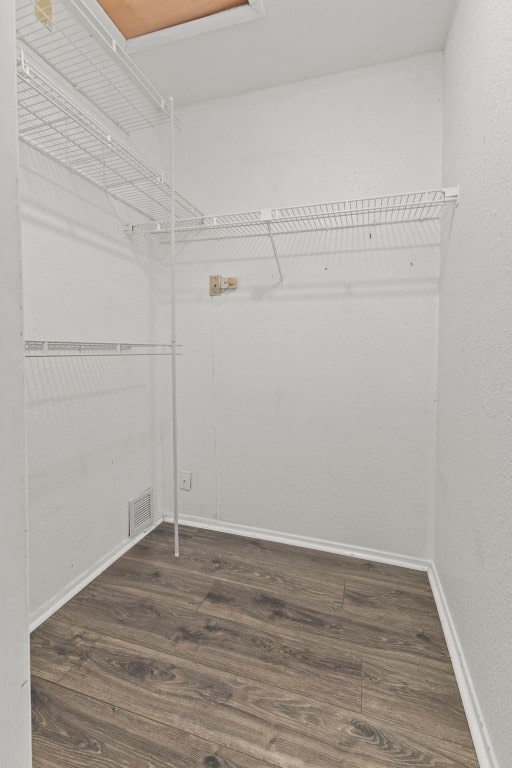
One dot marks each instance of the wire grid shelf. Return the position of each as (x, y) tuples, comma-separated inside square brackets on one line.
[(183, 208), (367, 212), (75, 43), (94, 349), (52, 123)]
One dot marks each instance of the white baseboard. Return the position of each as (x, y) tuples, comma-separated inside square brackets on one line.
[(73, 588), (483, 746), (322, 545)]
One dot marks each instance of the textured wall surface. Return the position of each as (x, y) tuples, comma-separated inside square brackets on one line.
[(14, 671), (97, 427), (366, 132), (310, 408), (473, 529)]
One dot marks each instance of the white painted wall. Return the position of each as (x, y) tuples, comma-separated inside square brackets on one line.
[(473, 529), (367, 132), (97, 428), (310, 409), (14, 668)]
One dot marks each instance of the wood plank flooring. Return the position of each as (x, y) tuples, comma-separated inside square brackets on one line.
[(246, 654)]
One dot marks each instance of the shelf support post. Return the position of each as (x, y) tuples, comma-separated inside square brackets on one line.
[(173, 335)]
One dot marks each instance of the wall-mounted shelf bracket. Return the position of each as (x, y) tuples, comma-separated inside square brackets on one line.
[(451, 195), (274, 249)]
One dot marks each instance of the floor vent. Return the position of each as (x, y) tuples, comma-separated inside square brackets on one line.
[(141, 512)]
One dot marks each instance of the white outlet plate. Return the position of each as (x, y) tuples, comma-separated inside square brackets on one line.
[(185, 480)]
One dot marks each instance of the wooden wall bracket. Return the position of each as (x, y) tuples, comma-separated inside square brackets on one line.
[(219, 284)]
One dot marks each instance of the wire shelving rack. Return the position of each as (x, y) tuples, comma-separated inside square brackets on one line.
[(407, 208), (51, 122), (95, 349), (77, 46), (74, 68), (367, 212)]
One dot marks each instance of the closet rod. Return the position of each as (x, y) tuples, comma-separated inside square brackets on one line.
[(302, 231), (96, 349)]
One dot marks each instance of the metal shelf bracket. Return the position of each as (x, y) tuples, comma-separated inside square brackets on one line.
[(267, 216)]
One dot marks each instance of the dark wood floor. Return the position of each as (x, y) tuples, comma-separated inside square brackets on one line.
[(246, 654)]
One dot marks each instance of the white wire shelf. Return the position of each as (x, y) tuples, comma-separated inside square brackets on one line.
[(368, 212), (95, 349), (77, 45), (51, 122)]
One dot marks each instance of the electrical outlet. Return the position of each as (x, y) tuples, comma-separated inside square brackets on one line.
[(185, 480)]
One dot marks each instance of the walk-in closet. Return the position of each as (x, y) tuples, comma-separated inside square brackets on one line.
[(255, 415)]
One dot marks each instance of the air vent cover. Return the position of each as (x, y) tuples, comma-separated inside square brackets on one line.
[(141, 512)]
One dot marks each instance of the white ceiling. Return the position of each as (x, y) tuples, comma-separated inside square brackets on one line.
[(298, 39)]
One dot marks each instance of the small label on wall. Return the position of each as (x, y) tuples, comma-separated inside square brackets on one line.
[(44, 12)]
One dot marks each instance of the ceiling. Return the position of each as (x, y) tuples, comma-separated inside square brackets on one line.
[(140, 17), (296, 40)]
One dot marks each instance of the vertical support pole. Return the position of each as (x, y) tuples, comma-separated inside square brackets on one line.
[(173, 340)]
